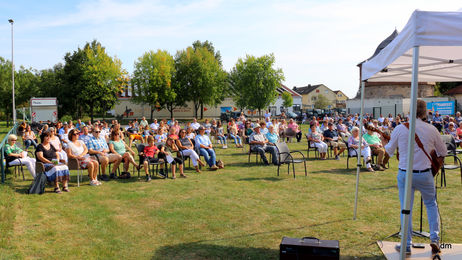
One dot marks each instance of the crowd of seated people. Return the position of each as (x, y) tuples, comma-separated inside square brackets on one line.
[(96, 145)]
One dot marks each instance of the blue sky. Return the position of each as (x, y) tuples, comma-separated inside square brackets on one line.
[(313, 41)]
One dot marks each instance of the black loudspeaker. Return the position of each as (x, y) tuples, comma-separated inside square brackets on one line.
[(309, 248)]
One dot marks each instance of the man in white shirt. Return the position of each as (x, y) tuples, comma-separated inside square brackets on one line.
[(381, 118), (259, 143), (144, 122), (154, 126), (195, 125), (422, 179)]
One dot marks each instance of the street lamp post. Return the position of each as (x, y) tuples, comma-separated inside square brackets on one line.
[(12, 69)]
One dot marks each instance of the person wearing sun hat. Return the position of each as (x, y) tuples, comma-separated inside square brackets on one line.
[(259, 143)]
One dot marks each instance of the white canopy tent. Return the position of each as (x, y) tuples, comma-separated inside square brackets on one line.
[(429, 48)]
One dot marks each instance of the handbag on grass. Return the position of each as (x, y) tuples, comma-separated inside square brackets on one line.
[(220, 164)]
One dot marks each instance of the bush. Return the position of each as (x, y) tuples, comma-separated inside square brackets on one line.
[(66, 118)]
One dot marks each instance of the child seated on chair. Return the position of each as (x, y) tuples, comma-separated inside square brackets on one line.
[(150, 151)]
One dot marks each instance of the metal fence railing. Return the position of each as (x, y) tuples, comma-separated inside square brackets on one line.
[(2, 150)]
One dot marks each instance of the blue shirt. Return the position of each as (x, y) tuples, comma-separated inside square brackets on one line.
[(202, 140), (85, 138), (437, 119), (97, 144), (272, 137)]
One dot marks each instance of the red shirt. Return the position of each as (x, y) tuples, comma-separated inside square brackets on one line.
[(150, 151), (459, 132)]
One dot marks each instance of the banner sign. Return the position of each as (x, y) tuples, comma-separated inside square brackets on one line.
[(443, 107), (225, 110), (36, 102)]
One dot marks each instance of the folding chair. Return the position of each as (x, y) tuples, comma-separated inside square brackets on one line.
[(285, 157), (140, 149)]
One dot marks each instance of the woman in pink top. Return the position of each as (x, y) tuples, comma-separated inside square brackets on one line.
[(459, 130), (294, 126)]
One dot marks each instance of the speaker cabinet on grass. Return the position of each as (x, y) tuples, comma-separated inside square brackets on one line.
[(309, 248)]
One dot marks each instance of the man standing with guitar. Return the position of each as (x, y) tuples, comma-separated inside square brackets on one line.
[(427, 139)]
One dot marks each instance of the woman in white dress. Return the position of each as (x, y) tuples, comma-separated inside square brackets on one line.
[(78, 150), (316, 139), (353, 142), (54, 140)]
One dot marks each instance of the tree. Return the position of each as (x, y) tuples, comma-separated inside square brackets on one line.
[(93, 79), (152, 81), (209, 46), (322, 102), (24, 88), (288, 100), (200, 76), (254, 82), (443, 87)]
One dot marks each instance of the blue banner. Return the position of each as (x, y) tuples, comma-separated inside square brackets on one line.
[(443, 107), (225, 109)]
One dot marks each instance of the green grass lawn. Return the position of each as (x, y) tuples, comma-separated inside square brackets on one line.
[(240, 212)]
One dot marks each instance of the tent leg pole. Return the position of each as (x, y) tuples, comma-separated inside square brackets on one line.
[(358, 164), (410, 153)]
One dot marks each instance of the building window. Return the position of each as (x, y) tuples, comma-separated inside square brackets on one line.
[(273, 110), (326, 91), (339, 95), (317, 90), (314, 98)]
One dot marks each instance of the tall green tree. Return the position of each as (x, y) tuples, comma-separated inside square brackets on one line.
[(24, 88), (49, 83), (152, 81), (287, 99), (254, 82), (209, 46), (201, 76), (322, 102), (443, 87), (93, 79)]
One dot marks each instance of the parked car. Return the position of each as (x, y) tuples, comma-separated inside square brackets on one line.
[(228, 115)]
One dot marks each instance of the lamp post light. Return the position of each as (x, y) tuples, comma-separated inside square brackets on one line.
[(12, 69)]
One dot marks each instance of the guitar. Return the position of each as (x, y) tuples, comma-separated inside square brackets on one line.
[(374, 129), (436, 161)]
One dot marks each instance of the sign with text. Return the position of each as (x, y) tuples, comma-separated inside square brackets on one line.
[(40, 102), (443, 107)]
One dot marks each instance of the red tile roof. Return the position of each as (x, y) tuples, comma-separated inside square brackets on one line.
[(453, 91)]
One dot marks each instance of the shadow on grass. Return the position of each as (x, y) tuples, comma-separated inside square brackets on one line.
[(22, 186), (203, 249), (246, 164), (335, 171), (384, 188), (261, 179), (199, 250)]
